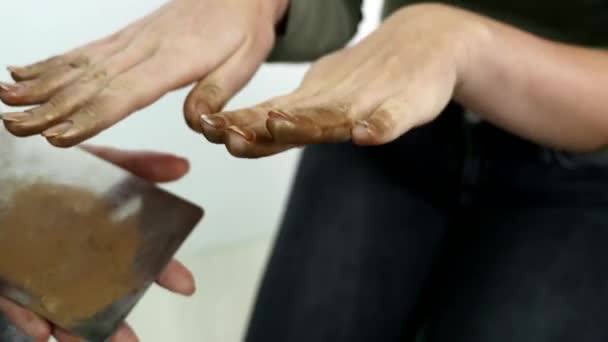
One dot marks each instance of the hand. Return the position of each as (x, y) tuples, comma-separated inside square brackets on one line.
[(399, 77), (154, 167), (84, 91)]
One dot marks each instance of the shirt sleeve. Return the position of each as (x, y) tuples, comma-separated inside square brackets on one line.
[(314, 28)]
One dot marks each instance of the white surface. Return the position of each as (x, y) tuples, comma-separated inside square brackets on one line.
[(227, 279), (242, 198)]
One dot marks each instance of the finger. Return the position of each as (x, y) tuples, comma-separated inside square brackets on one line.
[(26, 321), (63, 336), (63, 104), (124, 334), (239, 144), (312, 125), (252, 119), (177, 278), (211, 94), (33, 70), (70, 66), (35, 120), (243, 132), (152, 166), (252, 141), (214, 126), (327, 119), (40, 89), (334, 93), (84, 56), (95, 51), (127, 93)]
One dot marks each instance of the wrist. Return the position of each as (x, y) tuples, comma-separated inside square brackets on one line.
[(461, 39), (476, 52)]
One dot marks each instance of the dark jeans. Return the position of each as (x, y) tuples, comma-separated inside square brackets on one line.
[(471, 232)]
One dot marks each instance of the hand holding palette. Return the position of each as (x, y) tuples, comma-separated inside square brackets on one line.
[(80, 239)]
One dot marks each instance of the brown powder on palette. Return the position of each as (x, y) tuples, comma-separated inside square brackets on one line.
[(63, 246)]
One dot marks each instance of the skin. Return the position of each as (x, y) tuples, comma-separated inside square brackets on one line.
[(403, 75), (154, 167), (84, 91), (400, 77)]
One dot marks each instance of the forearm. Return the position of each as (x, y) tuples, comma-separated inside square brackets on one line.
[(550, 93)]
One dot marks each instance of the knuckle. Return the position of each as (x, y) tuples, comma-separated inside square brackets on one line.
[(213, 95), (80, 61), (120, 85), (53, 106), (88, 116), (210, 89), (96, 75), (344, 108)]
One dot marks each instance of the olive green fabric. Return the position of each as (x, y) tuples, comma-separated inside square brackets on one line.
[(317, 27)]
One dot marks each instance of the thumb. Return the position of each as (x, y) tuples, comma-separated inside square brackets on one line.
[(26, 321), (210, 95)]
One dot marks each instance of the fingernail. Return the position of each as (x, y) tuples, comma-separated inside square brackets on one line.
[(57, 130), (245, 133), (11, 87), (15, 117), (214, 121), (276, 114)]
